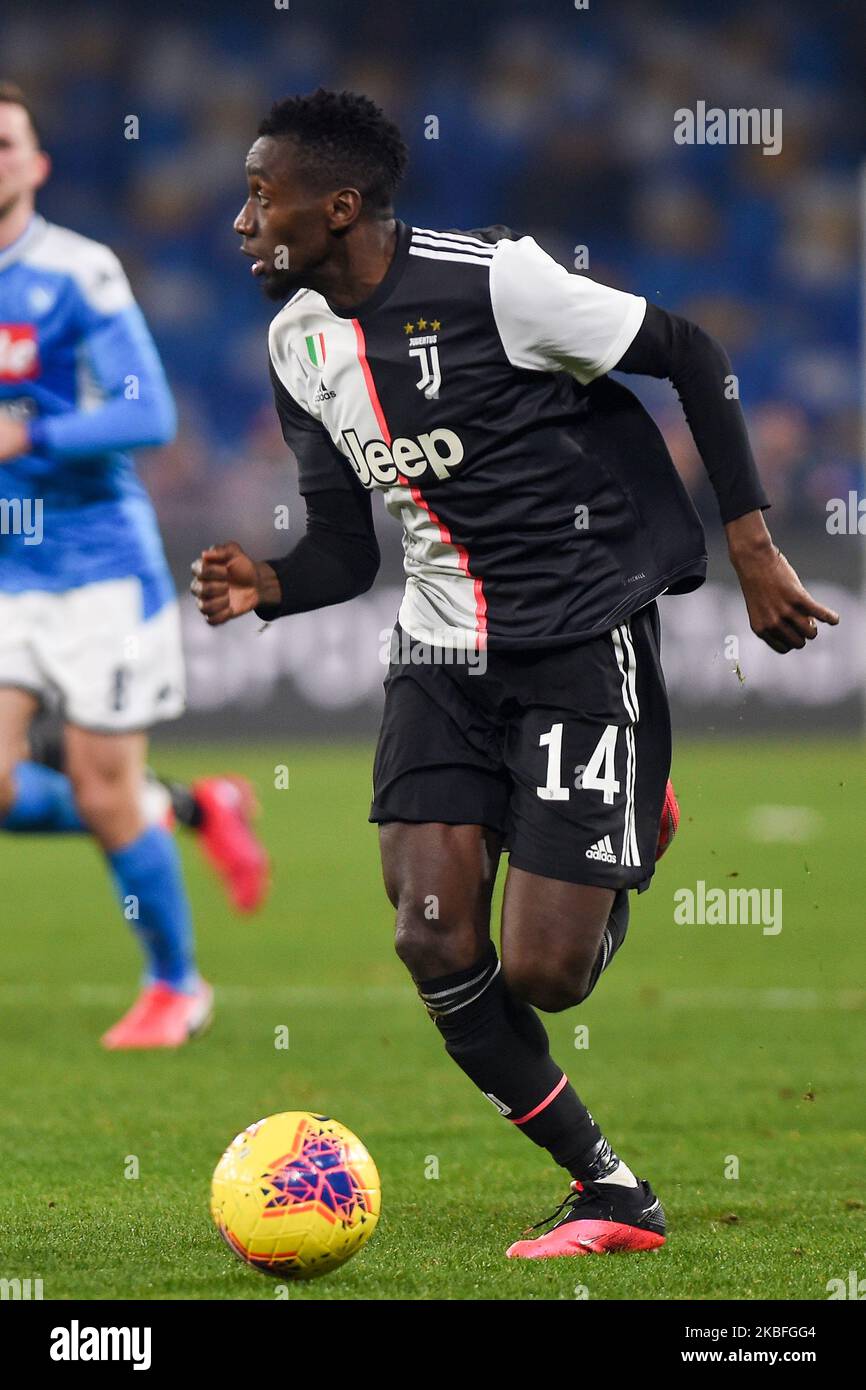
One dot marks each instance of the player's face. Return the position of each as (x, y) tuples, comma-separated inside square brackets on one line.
[(23, 166), (285, 227)]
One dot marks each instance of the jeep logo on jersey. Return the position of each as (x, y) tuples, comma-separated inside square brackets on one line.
[(440, 451), (19, 353)]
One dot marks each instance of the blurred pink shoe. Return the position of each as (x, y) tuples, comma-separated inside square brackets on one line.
[(227, 806), (162, 1017)]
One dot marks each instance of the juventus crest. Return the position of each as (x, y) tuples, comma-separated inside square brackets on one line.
[(425, 347)]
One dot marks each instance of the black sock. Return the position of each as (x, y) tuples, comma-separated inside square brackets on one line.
[(501, 1045), (614, 936), (183, 803)]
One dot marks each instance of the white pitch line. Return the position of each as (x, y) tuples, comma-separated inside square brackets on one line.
[(231, 995), (753, 998), (374, 996)]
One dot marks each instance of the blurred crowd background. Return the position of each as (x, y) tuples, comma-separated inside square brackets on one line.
[(556, 121)]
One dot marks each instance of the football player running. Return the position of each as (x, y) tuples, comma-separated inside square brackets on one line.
[(465, 376), (88, 614)]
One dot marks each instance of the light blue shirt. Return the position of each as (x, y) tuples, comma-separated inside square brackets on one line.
[(77, 362)]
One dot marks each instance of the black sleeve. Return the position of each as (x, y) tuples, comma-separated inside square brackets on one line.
[(669, 346), (320, 463), (337, 559)]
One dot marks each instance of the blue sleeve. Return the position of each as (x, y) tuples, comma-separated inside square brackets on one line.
[(138, 409)]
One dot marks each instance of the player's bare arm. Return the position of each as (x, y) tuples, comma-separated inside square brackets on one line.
[(781, 611)]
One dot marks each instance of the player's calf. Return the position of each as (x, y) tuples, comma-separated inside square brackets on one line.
[(495, 1038), (551, 985), (611, 939), (558, 937)]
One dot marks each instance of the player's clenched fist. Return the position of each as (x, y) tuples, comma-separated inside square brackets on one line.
[(227, 583)]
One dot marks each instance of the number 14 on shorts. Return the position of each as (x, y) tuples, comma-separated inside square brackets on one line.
[(599, 775)]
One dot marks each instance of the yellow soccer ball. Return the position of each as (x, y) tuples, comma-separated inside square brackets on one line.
[(296, 1195)]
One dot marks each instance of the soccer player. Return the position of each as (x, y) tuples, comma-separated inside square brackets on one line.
[(88, 614), (465, 376), (218, 810)]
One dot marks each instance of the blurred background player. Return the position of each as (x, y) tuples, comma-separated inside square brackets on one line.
[(88, 613), (219, 810)]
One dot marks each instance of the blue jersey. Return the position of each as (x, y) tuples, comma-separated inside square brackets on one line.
[(78, 364)]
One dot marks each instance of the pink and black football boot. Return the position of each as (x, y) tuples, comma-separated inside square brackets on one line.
[(599, 1219)]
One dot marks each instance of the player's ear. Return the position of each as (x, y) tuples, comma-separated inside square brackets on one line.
[(43, 169), (344, 209)]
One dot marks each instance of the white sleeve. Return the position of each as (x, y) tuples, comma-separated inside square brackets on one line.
[(550, 320), (102, 279)]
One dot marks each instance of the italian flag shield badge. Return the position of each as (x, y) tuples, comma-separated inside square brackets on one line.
[(316, 349)]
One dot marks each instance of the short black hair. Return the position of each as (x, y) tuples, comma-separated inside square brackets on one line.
[(343, 140), (12, 95)]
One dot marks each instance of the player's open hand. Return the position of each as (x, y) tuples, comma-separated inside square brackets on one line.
[(781, 611), (226, 583)]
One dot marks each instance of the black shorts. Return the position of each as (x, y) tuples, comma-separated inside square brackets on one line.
[(566, 753)]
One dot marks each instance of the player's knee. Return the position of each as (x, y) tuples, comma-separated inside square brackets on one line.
[(99, 798), (430, 943), (551, 985), (93, 804)]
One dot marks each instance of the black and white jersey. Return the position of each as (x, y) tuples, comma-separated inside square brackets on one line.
[(538, 500)]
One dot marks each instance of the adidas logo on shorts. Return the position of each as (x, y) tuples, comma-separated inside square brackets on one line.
[(603, 850)]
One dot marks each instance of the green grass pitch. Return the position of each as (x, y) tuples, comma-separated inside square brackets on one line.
[(707, 1045)]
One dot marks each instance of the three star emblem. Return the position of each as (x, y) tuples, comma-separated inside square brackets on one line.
[(421, 326)]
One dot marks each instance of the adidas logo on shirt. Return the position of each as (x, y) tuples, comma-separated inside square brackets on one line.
[(603, 850)]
